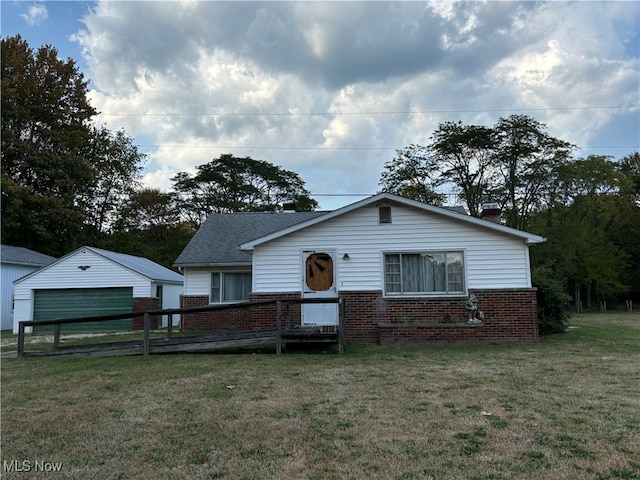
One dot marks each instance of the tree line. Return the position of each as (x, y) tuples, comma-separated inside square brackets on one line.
[(587, 208), (67, 182)]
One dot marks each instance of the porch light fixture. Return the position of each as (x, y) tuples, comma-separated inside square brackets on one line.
[(345, 256)]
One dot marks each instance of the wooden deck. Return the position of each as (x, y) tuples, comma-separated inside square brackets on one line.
[(205, 343)]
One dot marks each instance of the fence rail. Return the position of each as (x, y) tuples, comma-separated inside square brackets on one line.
[(282, 330)]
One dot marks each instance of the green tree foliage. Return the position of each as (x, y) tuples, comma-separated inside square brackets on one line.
[(149, 225), (525, 156), (630, 166), (63, 179), (592, 230), (412, 174), (463, 155), (234, 184), (117, 164), (46, 131), (508, 163)]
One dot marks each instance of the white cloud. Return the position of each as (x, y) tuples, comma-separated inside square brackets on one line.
[(202, 79), (35, 14)]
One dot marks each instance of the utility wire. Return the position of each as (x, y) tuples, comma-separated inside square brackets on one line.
[(239, 147), (408, 112)]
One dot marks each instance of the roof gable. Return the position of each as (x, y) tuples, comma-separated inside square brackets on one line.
[(24, 256), (139, 265), (455, 215)]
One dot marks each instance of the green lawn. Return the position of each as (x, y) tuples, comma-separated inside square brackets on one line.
[(567, 407)]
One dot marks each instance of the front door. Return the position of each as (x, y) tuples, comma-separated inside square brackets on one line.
[(319, 281)]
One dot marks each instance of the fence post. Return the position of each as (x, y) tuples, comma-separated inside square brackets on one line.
[(56, 335), (279, 327), (147, 328), (170, 326), (341, 324), (20, 339)]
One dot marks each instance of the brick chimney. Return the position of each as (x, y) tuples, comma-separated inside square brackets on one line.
[(289, 207), (491, 211)]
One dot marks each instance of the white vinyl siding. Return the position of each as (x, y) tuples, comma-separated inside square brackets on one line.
[(102, 272), (492, 259)]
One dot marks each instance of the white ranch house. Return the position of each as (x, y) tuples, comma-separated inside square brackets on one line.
[(405, 269)]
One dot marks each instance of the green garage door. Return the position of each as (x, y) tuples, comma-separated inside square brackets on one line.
[(83, 302)]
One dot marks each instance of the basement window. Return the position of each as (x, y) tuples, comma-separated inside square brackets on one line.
[(384, 214), (230, 287)]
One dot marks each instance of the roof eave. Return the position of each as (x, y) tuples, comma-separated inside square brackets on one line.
[(212, 264)]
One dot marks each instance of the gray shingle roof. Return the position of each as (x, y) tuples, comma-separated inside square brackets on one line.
[(141, 265), (219, 238), (24, 256)]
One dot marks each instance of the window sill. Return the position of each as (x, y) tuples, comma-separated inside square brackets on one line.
[(423, 296), (228, 302)]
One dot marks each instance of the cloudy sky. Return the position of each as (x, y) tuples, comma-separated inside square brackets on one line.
[(330, 90)]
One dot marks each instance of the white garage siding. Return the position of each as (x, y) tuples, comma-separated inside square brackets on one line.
[(68, 275), (492, 259)]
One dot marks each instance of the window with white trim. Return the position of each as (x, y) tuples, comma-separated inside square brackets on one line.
[(230, 287), (437, 273)]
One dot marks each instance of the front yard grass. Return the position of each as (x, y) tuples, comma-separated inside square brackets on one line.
[(564, 408)]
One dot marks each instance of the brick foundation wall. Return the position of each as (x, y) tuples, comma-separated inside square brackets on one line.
[(510, 315), (252, 318), (141, 304)]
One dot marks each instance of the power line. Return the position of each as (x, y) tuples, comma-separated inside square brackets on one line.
[(239, 147), (402, 112)]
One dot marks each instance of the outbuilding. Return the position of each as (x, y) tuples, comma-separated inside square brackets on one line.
[(94, 282), (16, 262)]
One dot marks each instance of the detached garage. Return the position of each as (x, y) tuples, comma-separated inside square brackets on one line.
[(94, 282)]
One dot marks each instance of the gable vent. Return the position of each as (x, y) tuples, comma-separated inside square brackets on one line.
[(384, 214)]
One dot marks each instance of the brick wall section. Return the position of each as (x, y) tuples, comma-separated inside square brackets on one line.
[(141, 304), (252, 318), (510, 315)]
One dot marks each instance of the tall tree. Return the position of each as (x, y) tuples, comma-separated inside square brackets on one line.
[(412, 174), (46, 130), (464, 155), (630, 166), (234, 184), (117, 164), (527, 156)]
